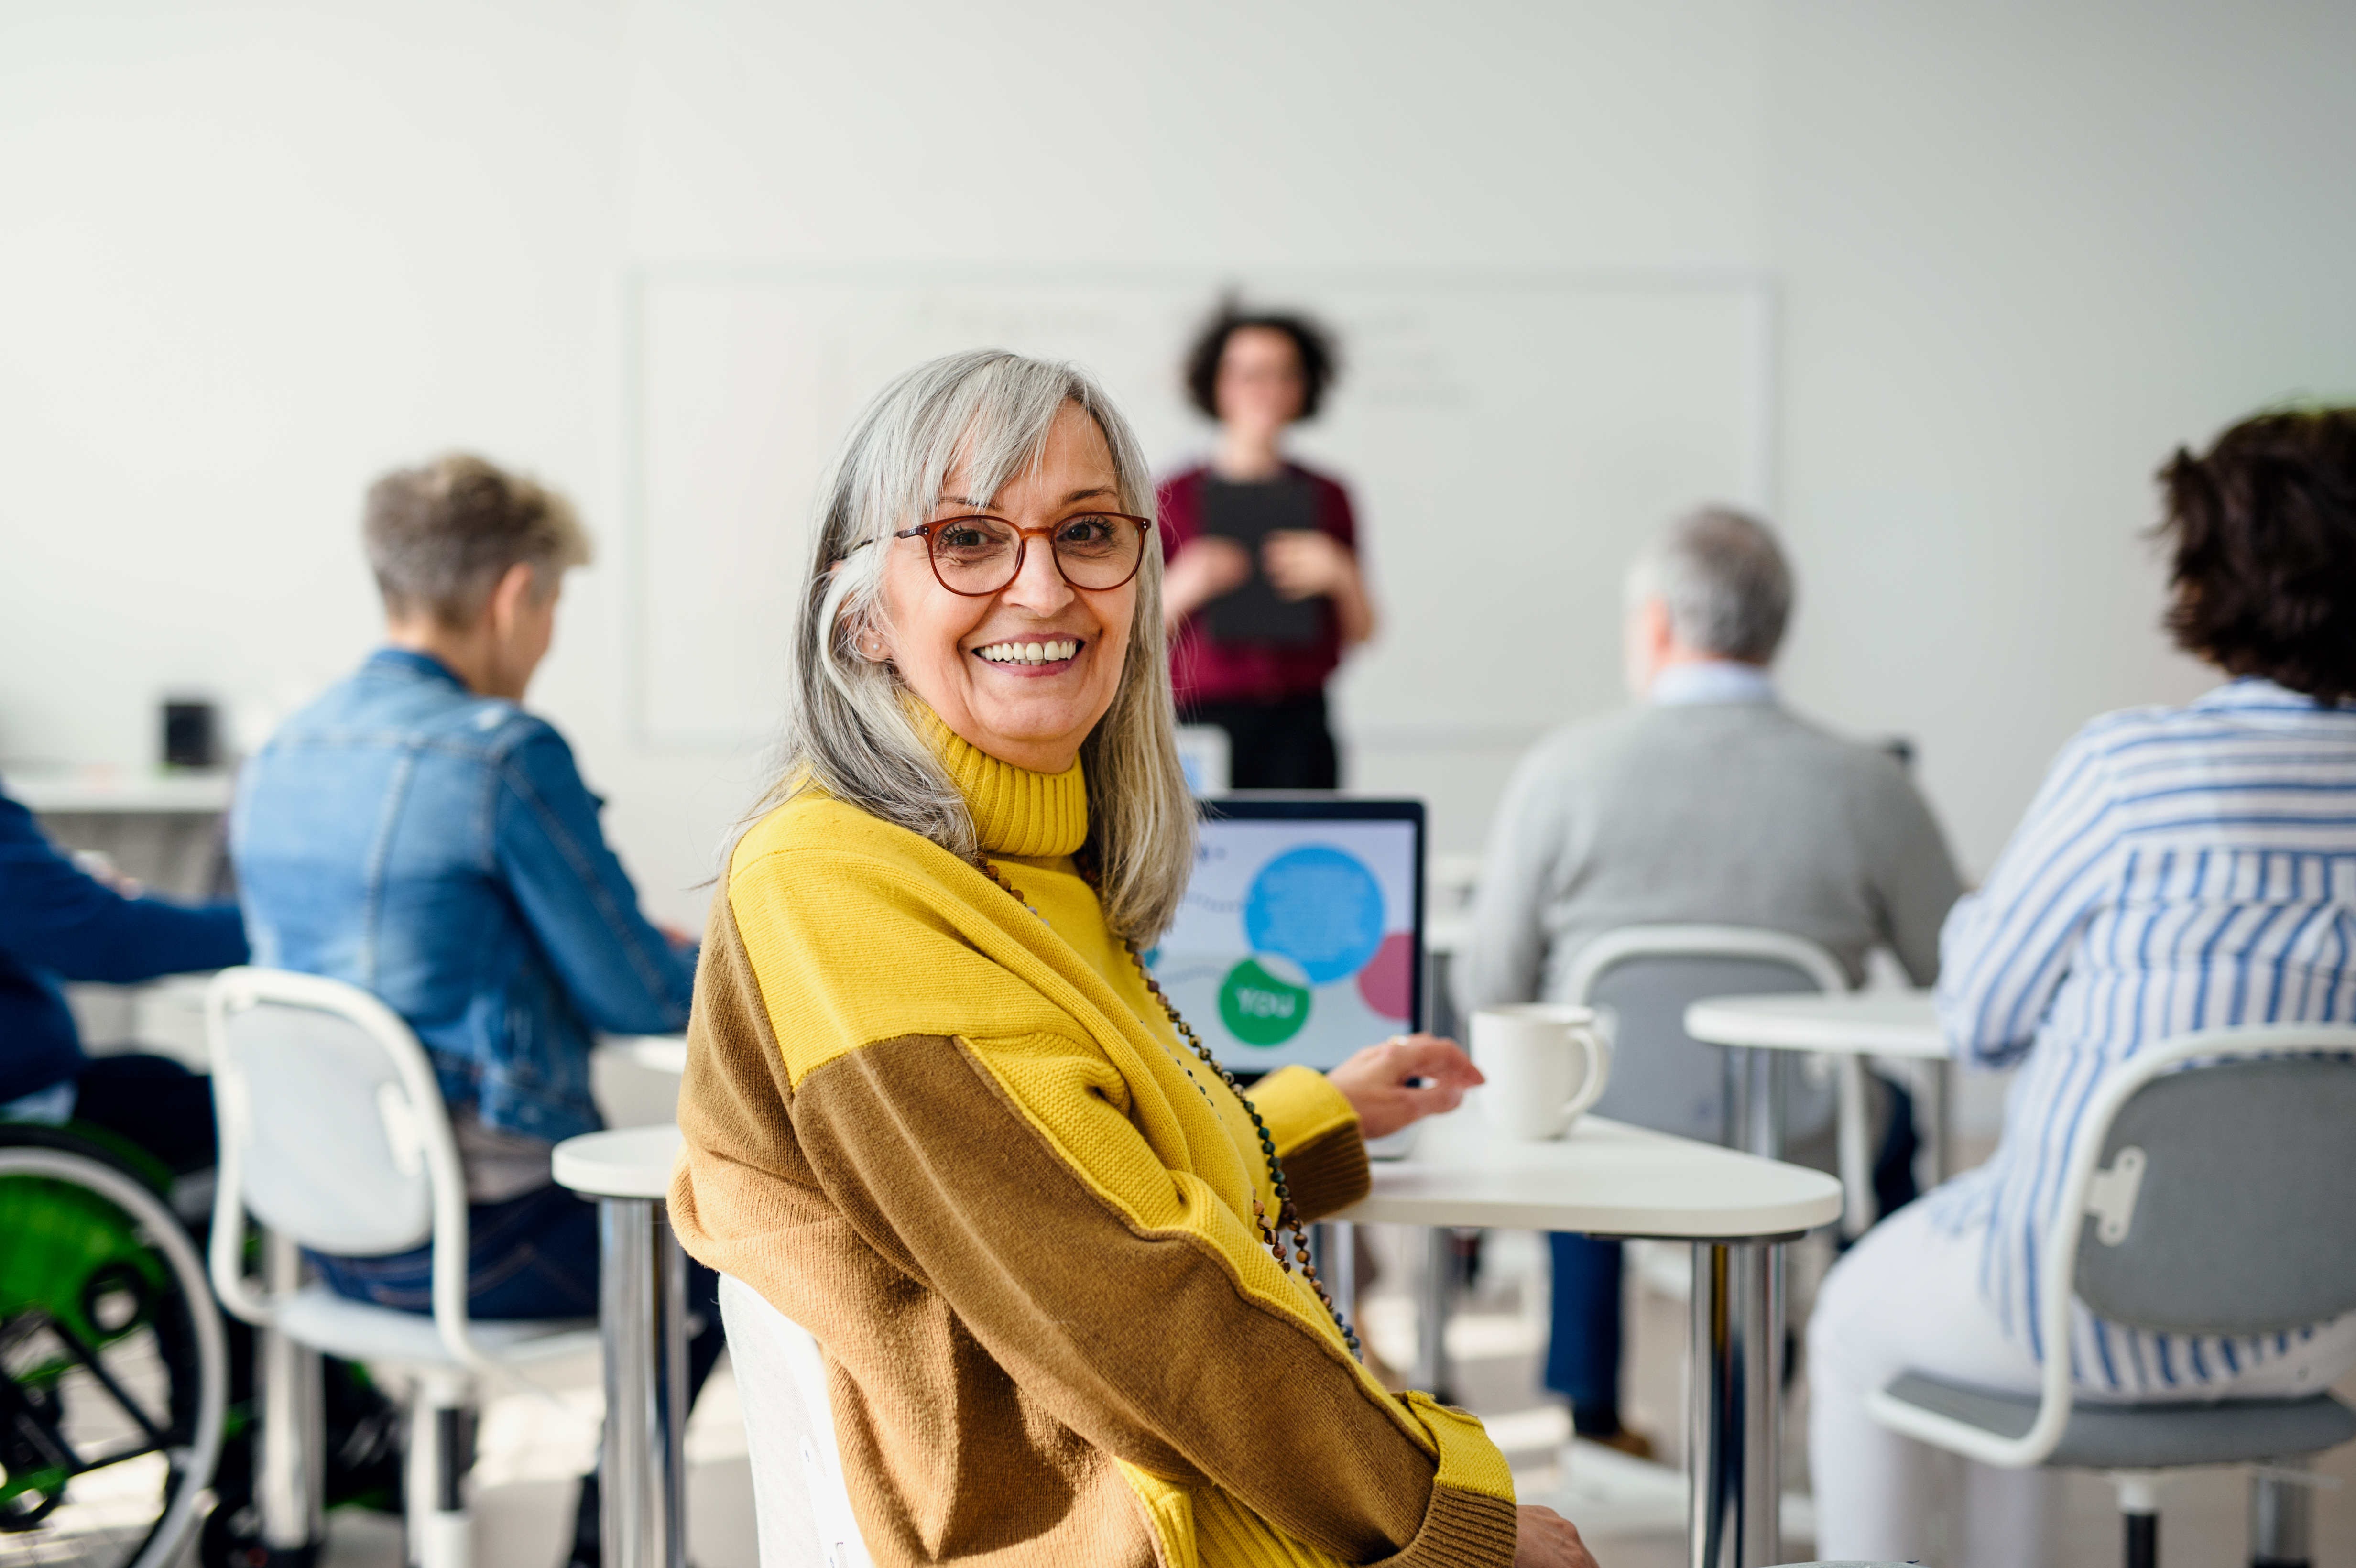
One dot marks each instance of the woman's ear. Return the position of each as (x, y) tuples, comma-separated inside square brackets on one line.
[(868, 643)]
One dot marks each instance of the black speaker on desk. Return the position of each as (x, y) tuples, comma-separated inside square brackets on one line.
[(191, 735)]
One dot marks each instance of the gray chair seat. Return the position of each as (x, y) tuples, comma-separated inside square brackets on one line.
[(2148, 1437), (363, 1332)]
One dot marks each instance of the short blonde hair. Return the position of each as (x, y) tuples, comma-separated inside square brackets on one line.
[(848, 729), (440, 536)]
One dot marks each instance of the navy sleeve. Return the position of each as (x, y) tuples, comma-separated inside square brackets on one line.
[(57, 917), (617, 969)]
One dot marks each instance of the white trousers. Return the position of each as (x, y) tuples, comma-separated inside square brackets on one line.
[(1907, 1299)]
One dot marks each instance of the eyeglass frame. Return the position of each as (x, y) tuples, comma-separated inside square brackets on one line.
[(1021, 547)]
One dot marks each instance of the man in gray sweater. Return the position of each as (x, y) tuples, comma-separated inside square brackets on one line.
[(1706, 801)]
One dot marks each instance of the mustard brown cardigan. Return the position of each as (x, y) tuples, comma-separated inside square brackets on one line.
[(957, 1142)]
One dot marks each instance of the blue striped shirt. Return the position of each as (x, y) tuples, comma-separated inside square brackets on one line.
[(2180, 868)]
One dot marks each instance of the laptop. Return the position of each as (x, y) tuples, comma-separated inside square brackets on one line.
[(1300, 938)]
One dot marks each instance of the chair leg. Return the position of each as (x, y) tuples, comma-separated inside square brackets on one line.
[(2282, 1517), (441, 1452), (293, 1451), (2139, 1517)]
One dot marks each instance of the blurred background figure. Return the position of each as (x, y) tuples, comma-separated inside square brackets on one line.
[(1707, 802), (1264, 593), (58, 921), (417, 833)]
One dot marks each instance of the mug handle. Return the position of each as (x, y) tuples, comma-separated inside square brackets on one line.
[(1598, 1053)]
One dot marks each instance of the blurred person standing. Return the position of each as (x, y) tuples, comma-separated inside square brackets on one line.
[(1264, 593), (417, 833), (1706, 801)]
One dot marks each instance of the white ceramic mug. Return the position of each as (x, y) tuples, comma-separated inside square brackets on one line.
[(1544, 1064)]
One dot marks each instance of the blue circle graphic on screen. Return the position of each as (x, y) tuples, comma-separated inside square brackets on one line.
[(1319, 907)]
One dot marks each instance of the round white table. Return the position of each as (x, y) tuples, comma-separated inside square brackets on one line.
[(642, 1319), (1608, 1178), (1852, 1024)]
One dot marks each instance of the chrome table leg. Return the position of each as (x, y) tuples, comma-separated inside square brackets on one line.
[(1733, 1426), (642, 1317)]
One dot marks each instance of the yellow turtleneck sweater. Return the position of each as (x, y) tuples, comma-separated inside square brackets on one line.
[(957, 1140)]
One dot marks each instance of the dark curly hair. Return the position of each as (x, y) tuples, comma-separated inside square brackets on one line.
[(2263, 526), (1313, 343)]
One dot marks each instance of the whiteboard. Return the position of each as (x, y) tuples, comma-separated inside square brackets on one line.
[(1506, 439)]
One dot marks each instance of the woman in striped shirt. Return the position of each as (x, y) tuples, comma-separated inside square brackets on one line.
[(2180, 868)]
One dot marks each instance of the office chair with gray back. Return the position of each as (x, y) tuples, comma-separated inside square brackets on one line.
[(2220, 1193), (334, 1135), (1643, 977)]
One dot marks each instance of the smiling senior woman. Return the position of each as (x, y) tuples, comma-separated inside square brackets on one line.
[(936, 1113)]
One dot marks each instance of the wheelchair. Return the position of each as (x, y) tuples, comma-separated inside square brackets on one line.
[(114, 1363)]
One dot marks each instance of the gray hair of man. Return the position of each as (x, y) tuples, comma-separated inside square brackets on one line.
[(849, 727), (1724, 580)]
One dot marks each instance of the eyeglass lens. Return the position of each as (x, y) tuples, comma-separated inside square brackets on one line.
[(981, 555)]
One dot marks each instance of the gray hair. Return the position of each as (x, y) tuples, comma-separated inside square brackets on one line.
[(1725, 581), (848, 731), (440, 537)]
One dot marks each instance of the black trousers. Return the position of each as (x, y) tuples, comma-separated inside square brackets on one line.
[(1283, 744), (154, 1102)]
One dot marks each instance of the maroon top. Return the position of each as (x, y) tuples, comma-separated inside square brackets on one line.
[(1205, 671)]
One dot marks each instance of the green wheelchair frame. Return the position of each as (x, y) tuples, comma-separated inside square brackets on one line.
[(91, 1257)]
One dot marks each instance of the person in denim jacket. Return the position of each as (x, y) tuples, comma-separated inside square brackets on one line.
[(415, 832)]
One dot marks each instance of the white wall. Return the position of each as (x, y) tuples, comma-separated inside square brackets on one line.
[(256, 252), (2028, 250)]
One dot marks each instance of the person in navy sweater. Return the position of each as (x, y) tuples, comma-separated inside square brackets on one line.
[(59, 922)]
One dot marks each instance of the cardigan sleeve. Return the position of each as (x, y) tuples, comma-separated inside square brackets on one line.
[(998, 1165), (1317, 1138)]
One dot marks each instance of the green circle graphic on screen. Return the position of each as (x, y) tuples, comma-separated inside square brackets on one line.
[(1260, 1008)]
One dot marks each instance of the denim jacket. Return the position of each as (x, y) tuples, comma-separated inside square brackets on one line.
[(439, 849)]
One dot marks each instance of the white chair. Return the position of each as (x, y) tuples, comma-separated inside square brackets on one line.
[(334, 1135), (801, 1507), (2220, 1197)]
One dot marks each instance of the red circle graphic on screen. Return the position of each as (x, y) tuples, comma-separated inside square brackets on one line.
[(1386, 981)]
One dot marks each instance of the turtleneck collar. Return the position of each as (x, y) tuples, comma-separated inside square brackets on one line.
[(1015, 811)]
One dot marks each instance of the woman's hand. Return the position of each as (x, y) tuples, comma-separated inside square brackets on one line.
[(1303, 564), (1381, 1082), (1202, 568), (1546, 1539)]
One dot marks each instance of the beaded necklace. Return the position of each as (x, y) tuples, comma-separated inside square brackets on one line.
[(1287, 1216)]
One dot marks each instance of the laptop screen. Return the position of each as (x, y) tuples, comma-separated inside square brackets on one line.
[(1300, 939)]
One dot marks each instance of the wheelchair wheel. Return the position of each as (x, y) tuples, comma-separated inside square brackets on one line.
[(114, 1367)]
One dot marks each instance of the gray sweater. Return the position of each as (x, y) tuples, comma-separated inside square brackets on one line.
[(1727, 813)]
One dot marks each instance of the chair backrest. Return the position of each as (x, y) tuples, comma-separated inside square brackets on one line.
[(2225, 1202), (802, 1506), (1643, 977), (334, 1135)]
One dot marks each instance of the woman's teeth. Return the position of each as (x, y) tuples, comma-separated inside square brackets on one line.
[(1030, 653)]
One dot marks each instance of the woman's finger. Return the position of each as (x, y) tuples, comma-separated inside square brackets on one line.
[(1429, 1056)]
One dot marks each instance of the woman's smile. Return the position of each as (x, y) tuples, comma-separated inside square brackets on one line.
[(1031, 658)]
